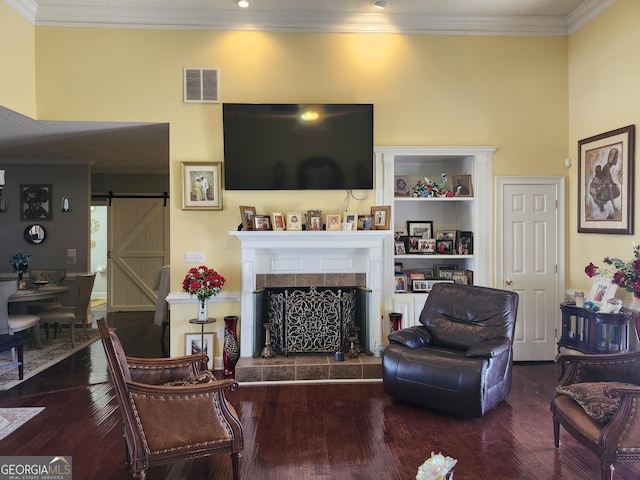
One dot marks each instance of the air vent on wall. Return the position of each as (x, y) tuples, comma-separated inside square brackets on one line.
[(201, 85)]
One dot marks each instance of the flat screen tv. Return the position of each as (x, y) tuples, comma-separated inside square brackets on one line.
[(298, 146)]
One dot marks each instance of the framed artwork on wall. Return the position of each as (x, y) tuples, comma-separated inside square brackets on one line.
[(35, 202), (201, 186), (605, 182)]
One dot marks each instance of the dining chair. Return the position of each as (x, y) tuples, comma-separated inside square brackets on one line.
[(72, 315), (54, 276), (16, 322)]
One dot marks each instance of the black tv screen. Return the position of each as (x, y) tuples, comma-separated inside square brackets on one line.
[(298, 146)]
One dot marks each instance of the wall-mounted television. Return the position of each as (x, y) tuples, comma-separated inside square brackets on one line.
[(298, 146)]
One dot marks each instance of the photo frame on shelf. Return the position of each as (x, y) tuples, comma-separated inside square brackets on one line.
[(381, 217), (277, 221), (35, 202), (400, 247), (420, 285), (261, 223), (352, 218), (605, 182), (333, 222), (444, 247), (313, 220), (446, 235), (426, 245), (413, 244), (423, 228), (201, 186), (602, 290), (465, 243), (444, 266), (402, 186), (193, 346), (294, 221), (431, 283), (428, 273), (364, 221), (400, 283), (460, 278), (247, 213), (461, 186)]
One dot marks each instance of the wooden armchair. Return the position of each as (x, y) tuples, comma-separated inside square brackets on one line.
[(598, 403), (166, 423)]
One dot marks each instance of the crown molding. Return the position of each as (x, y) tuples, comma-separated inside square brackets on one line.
[(312, 22)]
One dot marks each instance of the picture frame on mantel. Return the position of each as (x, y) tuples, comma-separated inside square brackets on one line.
[(201, 186), (605, 182)]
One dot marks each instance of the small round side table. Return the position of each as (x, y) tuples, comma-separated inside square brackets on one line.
[(208, 321)]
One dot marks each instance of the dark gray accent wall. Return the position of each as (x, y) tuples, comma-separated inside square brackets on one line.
[(64, 231)]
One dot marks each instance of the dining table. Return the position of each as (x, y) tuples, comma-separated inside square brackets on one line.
[(40, 293)]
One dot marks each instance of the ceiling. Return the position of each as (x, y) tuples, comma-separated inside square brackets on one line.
[(144, 147), (502, 17)]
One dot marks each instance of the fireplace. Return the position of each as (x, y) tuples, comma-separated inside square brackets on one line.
[(282, 255), (311, 319)]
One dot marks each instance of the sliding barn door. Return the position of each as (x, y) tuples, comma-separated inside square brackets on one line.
[(138, 246)]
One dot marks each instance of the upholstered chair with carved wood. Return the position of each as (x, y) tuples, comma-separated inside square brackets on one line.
[(172, 408), (597, 402)]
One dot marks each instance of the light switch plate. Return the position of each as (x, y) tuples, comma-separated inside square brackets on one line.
[(194, 257)]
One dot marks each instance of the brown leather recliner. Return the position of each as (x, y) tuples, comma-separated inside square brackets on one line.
[(171, 409), (460, 359)]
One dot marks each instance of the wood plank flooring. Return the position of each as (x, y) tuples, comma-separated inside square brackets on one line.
[(317, 431)]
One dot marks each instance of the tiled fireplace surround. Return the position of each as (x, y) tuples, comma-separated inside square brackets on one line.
[(303, 259)]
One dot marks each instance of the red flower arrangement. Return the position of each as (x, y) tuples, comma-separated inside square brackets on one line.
[(627, 274), (202, 281)]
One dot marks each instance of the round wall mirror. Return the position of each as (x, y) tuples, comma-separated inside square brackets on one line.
[(35, 234)]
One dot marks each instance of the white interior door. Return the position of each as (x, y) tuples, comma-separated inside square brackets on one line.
[(138, 247), (530, 259)]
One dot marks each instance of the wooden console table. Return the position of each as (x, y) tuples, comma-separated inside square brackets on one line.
[(593, 332)]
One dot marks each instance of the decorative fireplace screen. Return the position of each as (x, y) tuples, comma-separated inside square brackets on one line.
[(309, 319)]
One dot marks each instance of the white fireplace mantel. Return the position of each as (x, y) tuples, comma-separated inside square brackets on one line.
[(300, 252)]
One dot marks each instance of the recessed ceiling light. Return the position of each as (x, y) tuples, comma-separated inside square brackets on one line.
[(242, 3), (380, 4)]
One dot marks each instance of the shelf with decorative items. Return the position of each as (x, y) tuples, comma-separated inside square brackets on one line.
[(441, 216)]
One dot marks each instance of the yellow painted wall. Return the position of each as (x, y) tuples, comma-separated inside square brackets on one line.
[(427, 90), (17, 57), (603, 96)]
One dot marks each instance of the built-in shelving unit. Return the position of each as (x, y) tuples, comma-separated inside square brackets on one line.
[(447, 214)]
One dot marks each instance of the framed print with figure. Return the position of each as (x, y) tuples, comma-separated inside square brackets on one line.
[(333, 222), (461, 186), (294, 221), (201, 186), (605, 182), (602, 290), (381, 217), (194, 345), (277, 221), (247, 214)]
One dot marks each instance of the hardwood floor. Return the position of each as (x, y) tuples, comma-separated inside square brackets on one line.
[(316, 431)]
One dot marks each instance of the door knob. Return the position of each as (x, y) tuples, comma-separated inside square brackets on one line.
[(509, 281)]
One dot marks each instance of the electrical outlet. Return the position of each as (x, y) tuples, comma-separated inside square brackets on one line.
[(194, 257)]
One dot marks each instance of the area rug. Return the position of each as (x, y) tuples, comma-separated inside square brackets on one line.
[(13, 418), (98, 302), (37, 360)]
